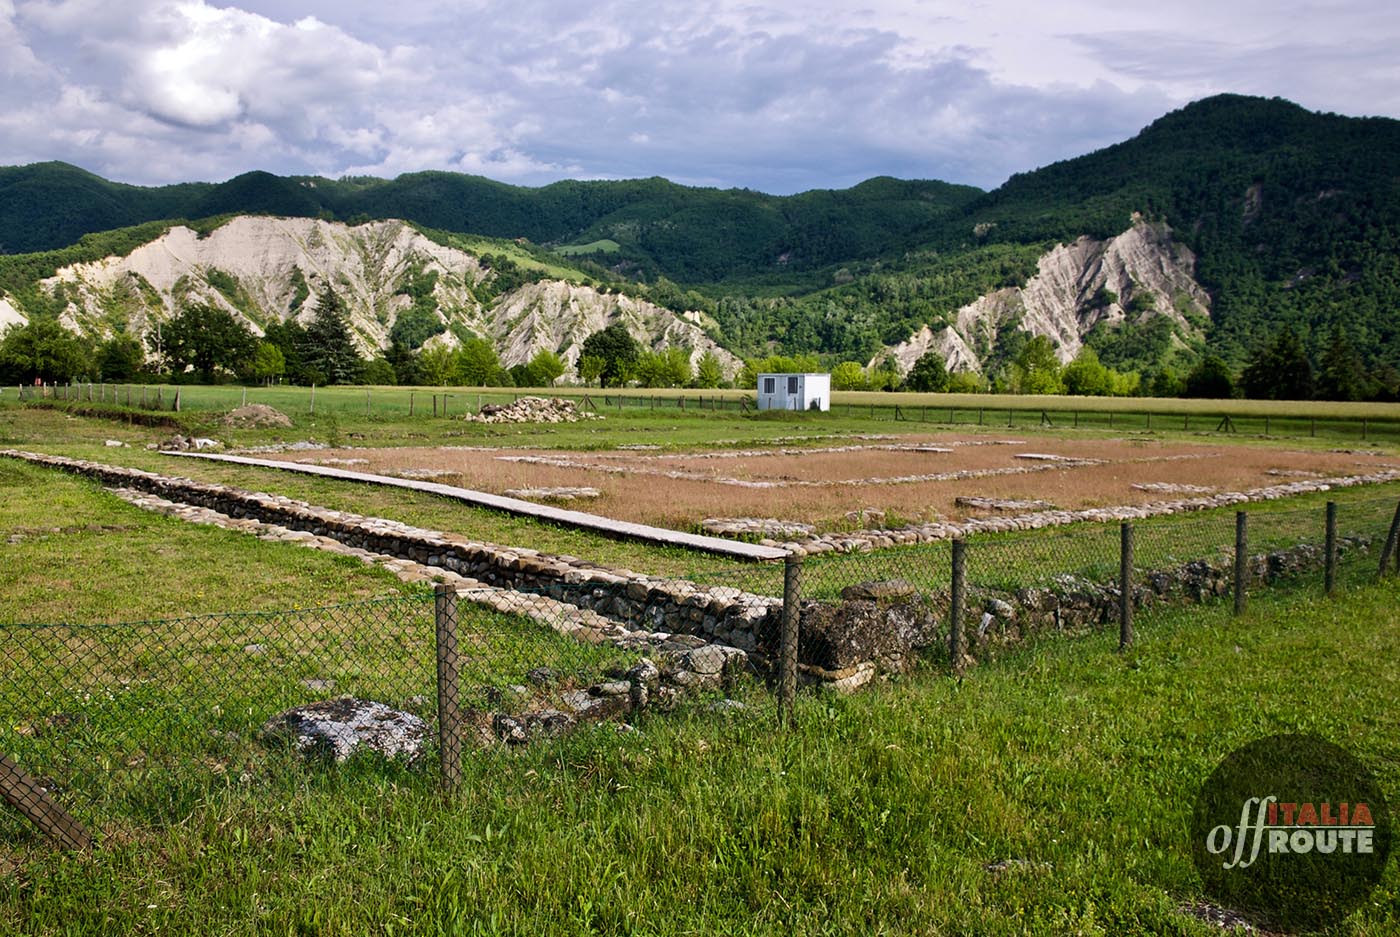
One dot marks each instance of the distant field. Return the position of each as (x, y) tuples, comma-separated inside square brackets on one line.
[(604, 246), (990, 409)]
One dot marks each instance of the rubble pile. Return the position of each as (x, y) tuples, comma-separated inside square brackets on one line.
[(532, 410)]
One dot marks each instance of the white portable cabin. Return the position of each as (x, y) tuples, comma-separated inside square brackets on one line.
[(794, 392)]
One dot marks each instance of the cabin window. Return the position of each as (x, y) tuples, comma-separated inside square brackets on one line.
[(769, 385), (792, 385)]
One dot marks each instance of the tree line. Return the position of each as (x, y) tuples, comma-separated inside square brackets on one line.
[(205, 343)]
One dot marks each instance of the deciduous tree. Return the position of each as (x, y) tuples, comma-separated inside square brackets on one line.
[(41, 349), (207, 338), (618, 351)]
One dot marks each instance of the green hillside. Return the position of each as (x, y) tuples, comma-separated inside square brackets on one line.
[(1294, 216), (660, 228)]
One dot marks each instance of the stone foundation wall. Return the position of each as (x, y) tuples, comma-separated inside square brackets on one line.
[(876, 627), (1077, 605), (722, 613)]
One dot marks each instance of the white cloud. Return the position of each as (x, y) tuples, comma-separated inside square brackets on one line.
[(781, 96)]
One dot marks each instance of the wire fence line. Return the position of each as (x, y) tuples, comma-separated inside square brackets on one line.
[(950, 603), (424, 402), (136, 722)]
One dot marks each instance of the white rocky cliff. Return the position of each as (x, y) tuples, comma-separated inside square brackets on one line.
[(264, 269), (1076, 286)]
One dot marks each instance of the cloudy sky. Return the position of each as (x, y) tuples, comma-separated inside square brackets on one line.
[(777, 96)]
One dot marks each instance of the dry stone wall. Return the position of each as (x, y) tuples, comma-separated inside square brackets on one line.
[(876, 627), (720, 613)]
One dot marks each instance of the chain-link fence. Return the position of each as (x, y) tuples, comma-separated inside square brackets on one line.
[(137, 722), (948, 603)]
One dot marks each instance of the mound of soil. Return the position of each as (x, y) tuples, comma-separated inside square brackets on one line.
[(255, 415)]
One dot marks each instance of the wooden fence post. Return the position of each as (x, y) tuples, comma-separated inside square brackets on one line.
[(448, 685), (1390, 542), (787, 654), (1241, 560), (956, 599), (313, 398), (1125, 586), (30, 798), (1330, 576)]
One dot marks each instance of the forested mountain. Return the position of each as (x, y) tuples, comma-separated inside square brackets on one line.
[(1294, 216), (646, 226), (1257, 216)]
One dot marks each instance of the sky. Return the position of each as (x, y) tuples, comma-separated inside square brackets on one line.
[(775, 96)]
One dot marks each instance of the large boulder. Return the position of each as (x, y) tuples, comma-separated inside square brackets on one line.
[(340, 727), (838, 636)]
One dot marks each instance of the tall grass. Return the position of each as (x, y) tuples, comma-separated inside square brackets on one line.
[(1047, 792)]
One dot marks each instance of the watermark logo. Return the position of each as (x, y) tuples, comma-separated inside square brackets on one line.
[(1291, 831)]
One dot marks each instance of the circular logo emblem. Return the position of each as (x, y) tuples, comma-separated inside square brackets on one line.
[(1292, 832)]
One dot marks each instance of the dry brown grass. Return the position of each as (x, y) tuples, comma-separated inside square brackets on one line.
[(822, 486)]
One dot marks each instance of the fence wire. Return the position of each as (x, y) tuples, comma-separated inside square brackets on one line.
[(136, 722)]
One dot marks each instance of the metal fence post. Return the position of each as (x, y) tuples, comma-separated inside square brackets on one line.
[(956, 644), (1241, 559), (787, 652), (1125, 587), (1331, 548), (448, 685), (1390, 542)]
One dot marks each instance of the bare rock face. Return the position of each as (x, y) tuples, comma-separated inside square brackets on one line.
[(9, 315), (262, 257), (262, 270), (1069, 295), (340, 727), (559, 316)]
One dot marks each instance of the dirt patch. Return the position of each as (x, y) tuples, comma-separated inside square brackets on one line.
[(256, 415), (912, 480)]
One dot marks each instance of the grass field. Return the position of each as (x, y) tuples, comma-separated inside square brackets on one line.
[(877, 814), (852, 411)]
